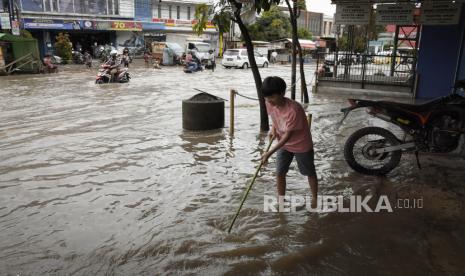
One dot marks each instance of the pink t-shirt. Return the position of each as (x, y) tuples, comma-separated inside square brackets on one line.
[(291, 117)]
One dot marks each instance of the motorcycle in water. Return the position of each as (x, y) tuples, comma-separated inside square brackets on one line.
[(105, 75), (192, 67), (437, 127)]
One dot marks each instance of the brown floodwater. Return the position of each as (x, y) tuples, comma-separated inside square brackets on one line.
[(102, 180)]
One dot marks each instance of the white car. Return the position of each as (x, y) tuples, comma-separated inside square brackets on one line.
[(238, 58)]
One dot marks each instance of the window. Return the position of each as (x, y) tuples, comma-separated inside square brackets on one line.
[(188, 13), (159, 11), (66, 6), (169, 12), (80, 6), (178, 12), (96, 7), (110, 7), (115, 6), (32, 5)]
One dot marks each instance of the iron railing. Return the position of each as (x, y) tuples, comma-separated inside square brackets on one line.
[(395, 70)]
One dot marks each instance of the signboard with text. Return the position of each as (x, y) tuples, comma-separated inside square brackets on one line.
[(126, 26), (5, 20), (437, 13), (398, 14), (15, 27), (180, 22), (352, 14), (30, 23)]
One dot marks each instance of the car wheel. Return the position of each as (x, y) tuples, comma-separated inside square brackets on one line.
[(265, 64), (245, 65)]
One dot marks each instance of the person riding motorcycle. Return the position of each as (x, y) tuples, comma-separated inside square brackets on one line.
[(195, 63), (114, 64)]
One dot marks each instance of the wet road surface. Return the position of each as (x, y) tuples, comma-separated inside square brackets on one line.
[(102, 180)]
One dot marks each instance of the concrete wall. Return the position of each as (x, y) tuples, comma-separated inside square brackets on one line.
[(438, 59)]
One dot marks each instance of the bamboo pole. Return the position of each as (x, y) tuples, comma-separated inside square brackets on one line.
[(232, 95), (309, 120), (248, 189)]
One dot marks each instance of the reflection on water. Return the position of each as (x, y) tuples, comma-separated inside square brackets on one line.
[(103, 180)]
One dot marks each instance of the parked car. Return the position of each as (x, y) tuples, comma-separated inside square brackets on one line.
[(238, 58), (342, 58), (202, 49)]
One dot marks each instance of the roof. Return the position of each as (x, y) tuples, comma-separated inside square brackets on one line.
[(257, 42), (14, 38), (304, 43)]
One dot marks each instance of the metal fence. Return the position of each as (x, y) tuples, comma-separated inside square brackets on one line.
[(394, 70)]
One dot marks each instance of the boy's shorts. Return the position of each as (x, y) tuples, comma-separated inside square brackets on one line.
[(305, 162)]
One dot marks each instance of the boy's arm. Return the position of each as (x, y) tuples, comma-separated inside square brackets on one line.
[(287, 135), (272, 133)]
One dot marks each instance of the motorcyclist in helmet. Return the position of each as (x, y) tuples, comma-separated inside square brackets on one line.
[(114, 62)]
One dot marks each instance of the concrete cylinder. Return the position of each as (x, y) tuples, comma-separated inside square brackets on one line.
[(203, 112)]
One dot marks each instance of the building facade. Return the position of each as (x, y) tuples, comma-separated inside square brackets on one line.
[(328, 26), (120, 23), (88, 22), (172, 21), (312, 21)]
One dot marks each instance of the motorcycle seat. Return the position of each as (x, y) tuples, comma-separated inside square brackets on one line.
[(423, 107)]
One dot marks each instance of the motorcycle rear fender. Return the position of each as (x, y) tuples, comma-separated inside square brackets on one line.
[(356, 104)]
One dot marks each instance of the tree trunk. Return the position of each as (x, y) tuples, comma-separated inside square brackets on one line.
[(292, 13), (303, 82), (264, 125)]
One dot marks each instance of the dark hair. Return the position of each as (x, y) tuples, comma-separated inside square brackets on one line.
[(273, 85)]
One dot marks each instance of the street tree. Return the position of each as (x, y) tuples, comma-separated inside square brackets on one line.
[(234, 10), (272, 25), (303, 33), (294, 13), (221, 20)]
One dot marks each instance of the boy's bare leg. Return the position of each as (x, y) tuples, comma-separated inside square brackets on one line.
[(281, 183), (313, 181)]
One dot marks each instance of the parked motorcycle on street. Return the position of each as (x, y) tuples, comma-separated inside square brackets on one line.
[(105, 75), (437, 126)]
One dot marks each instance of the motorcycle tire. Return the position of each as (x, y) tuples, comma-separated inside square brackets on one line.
[(394, 157), (99, 81)]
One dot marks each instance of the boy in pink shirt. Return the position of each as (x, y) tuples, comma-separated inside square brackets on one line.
[(291, 128)]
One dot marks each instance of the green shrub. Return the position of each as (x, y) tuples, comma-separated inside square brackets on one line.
[(63, 47)]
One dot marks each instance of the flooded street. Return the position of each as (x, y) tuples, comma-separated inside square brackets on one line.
[(102, 180)]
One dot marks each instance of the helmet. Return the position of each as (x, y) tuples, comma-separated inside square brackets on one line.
[(113, 53)]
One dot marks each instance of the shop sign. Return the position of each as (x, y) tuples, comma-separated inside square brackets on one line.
[(147, 26), (353, 14), (30, 23), (126, 26), (168, 22), (5, 20), (180, 23), (101, 25), (437, 13), (15, 27), (398, 14)]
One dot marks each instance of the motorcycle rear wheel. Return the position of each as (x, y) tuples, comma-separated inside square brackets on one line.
[(375, 163)]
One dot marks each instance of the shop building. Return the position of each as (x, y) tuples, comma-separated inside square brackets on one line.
[(88, 22), (172, 21)]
